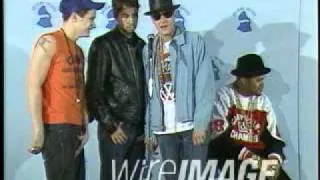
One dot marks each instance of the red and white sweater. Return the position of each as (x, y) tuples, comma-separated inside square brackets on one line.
[(245, 124)]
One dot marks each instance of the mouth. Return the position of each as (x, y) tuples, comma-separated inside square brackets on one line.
[(163, 26)]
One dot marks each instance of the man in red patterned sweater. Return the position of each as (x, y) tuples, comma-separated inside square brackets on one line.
[(244, 125)]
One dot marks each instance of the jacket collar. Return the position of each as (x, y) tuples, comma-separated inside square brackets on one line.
[(179, 36), (131, 40)]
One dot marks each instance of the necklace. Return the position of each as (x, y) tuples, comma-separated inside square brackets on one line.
[(76, 69), (252, 105)]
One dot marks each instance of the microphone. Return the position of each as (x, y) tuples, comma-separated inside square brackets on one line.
[(150, 89), (150, 52), (150, 44)]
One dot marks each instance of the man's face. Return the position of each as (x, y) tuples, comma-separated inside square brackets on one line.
[(254, 84), (128, 19), (86, 23), (164, 22)]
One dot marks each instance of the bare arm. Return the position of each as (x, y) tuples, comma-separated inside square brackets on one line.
[(37, 73)]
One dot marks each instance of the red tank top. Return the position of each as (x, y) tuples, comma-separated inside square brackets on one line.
[(63, 87)]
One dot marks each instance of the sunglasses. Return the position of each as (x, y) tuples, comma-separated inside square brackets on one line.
[(157, 15)]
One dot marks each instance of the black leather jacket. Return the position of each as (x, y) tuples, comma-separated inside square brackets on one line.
[(115, 79)]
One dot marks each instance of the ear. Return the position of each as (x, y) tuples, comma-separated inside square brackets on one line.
[(74, 17)]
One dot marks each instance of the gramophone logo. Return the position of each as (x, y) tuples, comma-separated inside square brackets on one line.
[(109, 17), (43, 11), (244, 17)]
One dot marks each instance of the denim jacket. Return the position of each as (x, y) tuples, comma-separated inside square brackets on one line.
[(194, 83)]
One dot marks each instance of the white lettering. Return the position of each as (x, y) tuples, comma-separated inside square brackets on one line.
[(195, 167), (242, 169), (266, 170), (124, 167), (229, 164), (163, 164)]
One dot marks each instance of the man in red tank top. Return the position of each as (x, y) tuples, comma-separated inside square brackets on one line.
[(56, 95)]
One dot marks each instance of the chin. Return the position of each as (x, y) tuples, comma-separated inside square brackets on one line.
[(85, 34), (130, 30), (165, 33), (258, 93)]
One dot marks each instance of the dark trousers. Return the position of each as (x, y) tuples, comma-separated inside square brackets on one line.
[(132, 151), (178, 147), (60, 144)]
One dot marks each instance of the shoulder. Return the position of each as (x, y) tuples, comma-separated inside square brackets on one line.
[(139, 39), (265, 100), (48, 38), (192, 34), (225, 91), (47, 42), (193, 37), (104, 38)]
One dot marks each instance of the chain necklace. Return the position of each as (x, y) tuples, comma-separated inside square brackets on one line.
[(252, 105), (76, 69)]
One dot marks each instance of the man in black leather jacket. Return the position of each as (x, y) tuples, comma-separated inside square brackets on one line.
[(115, 91)]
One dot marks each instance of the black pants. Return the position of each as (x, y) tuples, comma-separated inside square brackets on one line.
[(60, 144), (132, 151)]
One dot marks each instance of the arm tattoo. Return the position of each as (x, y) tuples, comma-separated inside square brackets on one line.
[(43, 42)]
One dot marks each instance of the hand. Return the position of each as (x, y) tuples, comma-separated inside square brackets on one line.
[(198, 137), (37, 140), (84, 139), (151, 144), (119, 137)]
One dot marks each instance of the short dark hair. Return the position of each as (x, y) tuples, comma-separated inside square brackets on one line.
[(117, 5), (81, 13)]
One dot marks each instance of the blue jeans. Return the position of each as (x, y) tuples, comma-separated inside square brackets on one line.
[(178, 147)]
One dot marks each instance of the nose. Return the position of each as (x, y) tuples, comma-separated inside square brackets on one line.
[(131, 20)]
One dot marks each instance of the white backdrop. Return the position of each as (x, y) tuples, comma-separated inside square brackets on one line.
[(284, 33)]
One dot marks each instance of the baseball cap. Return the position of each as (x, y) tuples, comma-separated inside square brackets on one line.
[(69, 6)]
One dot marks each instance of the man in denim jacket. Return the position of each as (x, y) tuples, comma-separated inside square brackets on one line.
[(180, 83)]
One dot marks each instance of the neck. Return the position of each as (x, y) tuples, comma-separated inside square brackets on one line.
[(125, 33), (70, 32), (241, 90), (168, 37)]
